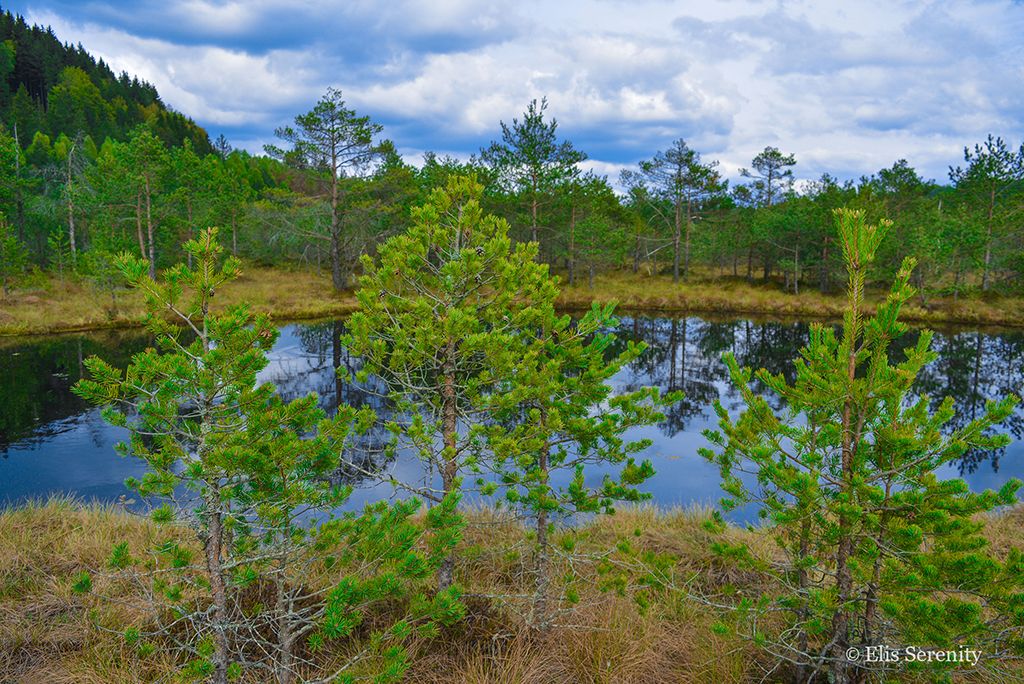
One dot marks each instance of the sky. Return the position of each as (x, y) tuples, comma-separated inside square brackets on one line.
[(848, 87)]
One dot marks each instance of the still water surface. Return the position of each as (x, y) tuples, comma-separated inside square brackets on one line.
[(51, 442)]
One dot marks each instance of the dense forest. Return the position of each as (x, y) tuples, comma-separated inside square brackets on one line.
[(92, 163)]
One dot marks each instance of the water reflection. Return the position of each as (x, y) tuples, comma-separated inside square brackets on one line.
[(51, 442)]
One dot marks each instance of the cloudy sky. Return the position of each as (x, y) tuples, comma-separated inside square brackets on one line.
[(849, 87)]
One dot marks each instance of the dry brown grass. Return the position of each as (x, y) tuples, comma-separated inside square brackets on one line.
[(47, 633), (77, 306), (300, 294), (640, 292)]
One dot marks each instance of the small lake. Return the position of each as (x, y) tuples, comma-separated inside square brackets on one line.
[(51, 442)]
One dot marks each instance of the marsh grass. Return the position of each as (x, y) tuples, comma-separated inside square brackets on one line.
[(294, 294), (50, 634), (77, 306), (735, 296)]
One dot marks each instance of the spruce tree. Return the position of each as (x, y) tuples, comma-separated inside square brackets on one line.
[(874, 549), (13, 257)]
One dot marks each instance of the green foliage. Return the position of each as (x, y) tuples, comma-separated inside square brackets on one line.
[(13, 257), (60, 251), (678, 187), (253, 476), (329, 141), (531, 163), (441, 315), (441, 308), (462, 328), (876, 548)]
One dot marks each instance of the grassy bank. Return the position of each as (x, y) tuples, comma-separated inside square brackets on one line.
[(48, 635), (299, 294), (75, 306), (740, 298)]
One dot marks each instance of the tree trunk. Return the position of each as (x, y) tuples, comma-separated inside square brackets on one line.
[(188, 207), (988, 241), (450, 464), (149, 232), (539, 620), (337, 275), (675, 242), (689, 228), (285, 665), (844, 578), (214, 540), (956, 278), (71, 213), (138, 224), (19, 204), (572, 246), (533, 221), (823, 284), (796, 271), (801, 674)]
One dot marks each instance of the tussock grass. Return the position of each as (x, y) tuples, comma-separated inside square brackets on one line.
[(292, 294), (50, 634)]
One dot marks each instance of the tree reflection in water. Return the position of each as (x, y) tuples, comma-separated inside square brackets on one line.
[(56, 443)]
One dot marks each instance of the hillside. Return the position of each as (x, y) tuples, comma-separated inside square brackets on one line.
[(49, 88)]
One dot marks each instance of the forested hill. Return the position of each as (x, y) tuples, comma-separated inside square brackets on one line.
[(53, 89)]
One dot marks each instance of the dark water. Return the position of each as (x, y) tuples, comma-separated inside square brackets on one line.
[(51, 442)]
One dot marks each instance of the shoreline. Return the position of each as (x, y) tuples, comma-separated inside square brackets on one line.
[(289, 295)]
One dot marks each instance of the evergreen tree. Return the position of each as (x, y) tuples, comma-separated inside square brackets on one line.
[(145, 160), (874, 549), (330, 140), (554, 419), (251, 475), (442, 316), (531, 160), (13, 257), (992, 170), (771, 177), (679, 179)]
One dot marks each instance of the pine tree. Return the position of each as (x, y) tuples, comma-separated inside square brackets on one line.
[(530, 159), (553, 419), (59, 252), (874, 549), (281, 575), (331, 140), (442, 316), (678, 178), (462, 327)]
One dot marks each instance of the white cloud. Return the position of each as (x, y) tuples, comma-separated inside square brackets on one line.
[(848, 87)]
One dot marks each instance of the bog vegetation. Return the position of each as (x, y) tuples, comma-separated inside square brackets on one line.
[(523, 557), (248, 568)]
